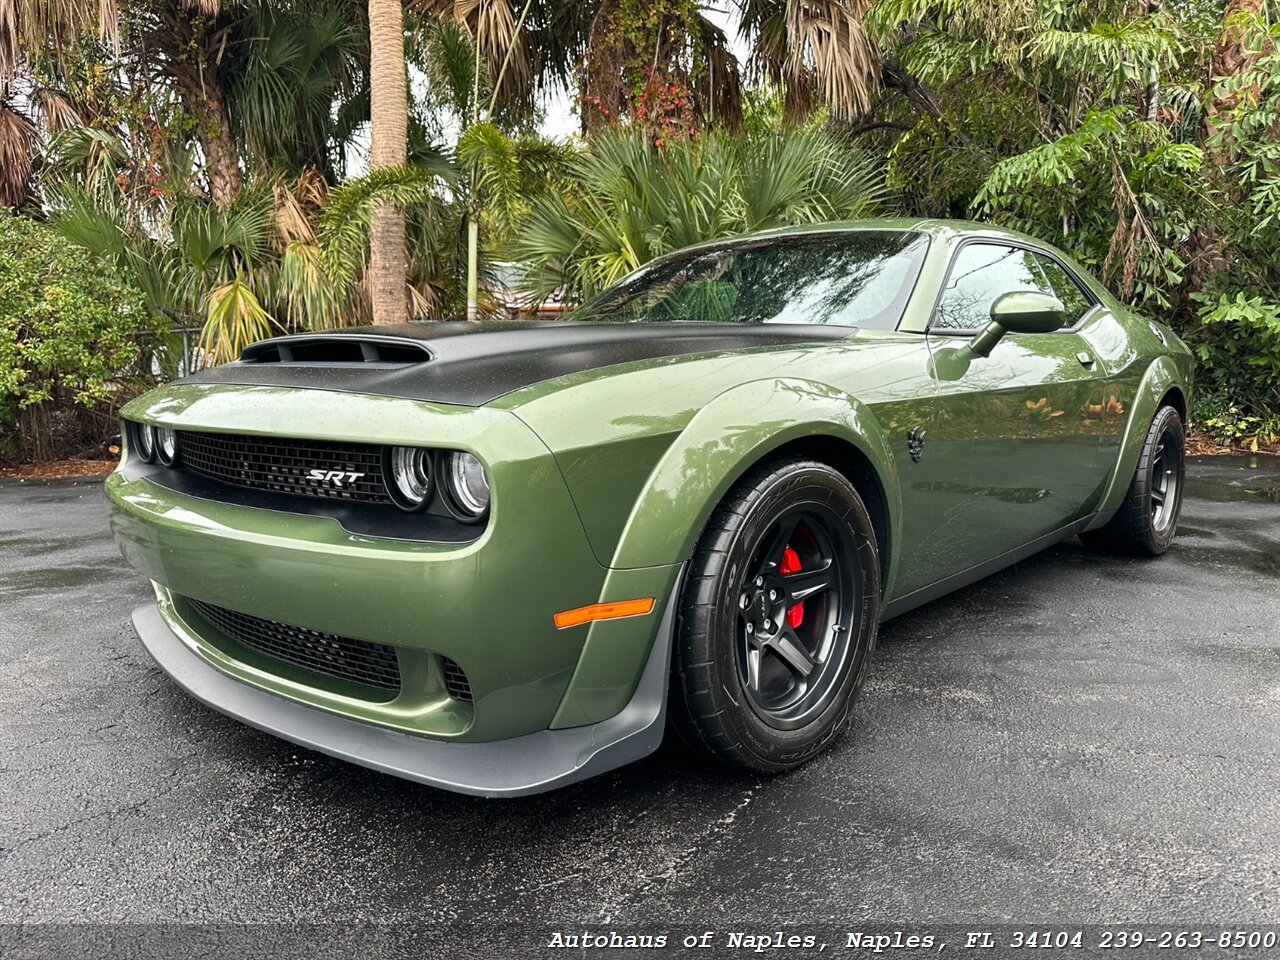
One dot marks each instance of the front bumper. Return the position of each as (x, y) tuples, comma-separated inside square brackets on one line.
[(486, 604), (506, 768)]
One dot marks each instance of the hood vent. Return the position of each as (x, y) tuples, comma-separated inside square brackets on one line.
[(337, 349)]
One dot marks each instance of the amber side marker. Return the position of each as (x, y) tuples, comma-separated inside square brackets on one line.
[(603, 611)]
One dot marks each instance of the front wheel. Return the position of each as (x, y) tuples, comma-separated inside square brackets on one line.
[(1147, 520), (778, 618)]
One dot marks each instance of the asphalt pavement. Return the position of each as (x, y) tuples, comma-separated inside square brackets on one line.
[(1079, 739)]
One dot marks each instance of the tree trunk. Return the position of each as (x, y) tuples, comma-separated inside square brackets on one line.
[(388, 148), (897, 77), (1151, 95), (222, 158), (200, 85), (1229, 57)]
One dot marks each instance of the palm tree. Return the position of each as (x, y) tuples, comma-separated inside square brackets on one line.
[(183, 40), (389, 113), (632, 201), (189, 40), (27, 30)]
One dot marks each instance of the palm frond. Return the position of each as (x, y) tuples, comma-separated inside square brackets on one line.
[(310, 297), (343, 230), (827, 45), (721, 101), (222, 244), (289, 66), (56, 111), (87, 221), (57, 25), (234, 320), (289, 216), (630, 201), (90, 155), (493, 25), (814, 49), (450, 63), (17, 155), (491, 157)]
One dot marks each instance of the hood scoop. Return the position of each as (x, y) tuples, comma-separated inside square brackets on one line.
[(471, 364), (337, 350)]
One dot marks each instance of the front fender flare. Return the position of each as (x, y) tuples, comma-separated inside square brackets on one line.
[(725, 439)]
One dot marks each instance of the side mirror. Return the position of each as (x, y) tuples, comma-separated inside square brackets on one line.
[(1022, 311)]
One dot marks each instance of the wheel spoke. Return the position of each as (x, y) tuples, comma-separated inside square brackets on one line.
[(1157, 497), (788, 648), (753, 670), (800, 586), (798, 609), (777, 543)]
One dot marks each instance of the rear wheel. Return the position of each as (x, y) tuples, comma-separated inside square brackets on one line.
[(1147, 520), (777, 619)]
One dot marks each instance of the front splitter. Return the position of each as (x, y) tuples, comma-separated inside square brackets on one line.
[(520, 766)]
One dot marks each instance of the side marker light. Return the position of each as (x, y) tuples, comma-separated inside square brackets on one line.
[(603, 611)]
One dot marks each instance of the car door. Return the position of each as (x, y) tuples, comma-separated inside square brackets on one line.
[(1032, 412)]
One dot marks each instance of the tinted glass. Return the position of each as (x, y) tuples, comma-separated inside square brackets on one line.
[(983, 271), (857, 279), (1074, 299), (980, 273)]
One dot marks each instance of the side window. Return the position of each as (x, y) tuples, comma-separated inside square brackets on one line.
[(980, 273), (1066, 289)]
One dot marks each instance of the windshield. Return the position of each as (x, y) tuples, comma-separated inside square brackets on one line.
[(854, 278)]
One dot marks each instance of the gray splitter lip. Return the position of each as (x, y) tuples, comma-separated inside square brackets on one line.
[(521, 766)]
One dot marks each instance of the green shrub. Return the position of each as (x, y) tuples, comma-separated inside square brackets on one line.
[(69, 342), (1240, 354)]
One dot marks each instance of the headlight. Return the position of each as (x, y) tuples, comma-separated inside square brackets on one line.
[(166, 444), (145, 435), (468, 485), (410, 477)]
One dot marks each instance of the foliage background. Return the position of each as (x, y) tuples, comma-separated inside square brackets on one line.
[(71, 331), (191, 159)]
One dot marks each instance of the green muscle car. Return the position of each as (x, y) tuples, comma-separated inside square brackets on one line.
[(499, 558)]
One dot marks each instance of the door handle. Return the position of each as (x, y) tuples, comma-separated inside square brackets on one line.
[(1086, 359)]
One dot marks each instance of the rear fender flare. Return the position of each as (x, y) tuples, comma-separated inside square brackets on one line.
[(1162, 376)]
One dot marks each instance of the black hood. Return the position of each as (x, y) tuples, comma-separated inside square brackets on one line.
[(473, 363)]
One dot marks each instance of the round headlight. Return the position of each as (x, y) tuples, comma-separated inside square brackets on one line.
[(145, 435), (166, 446), (468, 484), (410, 477)]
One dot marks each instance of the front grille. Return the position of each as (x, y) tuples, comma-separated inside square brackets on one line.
[(356, 661), (456, 683), (285, 465)]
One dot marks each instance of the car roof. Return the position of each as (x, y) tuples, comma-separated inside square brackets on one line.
[(942, 229), (934, 226)]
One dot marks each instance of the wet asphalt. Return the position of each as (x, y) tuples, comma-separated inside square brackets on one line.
[(1079, 739)]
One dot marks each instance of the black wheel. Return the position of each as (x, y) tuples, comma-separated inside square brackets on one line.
[(778, 618), (1147, 520)]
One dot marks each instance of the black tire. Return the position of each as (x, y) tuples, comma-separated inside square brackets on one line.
[(1147, 520), (729, 693)]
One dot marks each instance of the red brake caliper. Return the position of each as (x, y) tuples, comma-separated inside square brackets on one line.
[(791, 564)]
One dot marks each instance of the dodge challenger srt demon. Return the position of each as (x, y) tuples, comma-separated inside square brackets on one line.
[(500, 557)]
